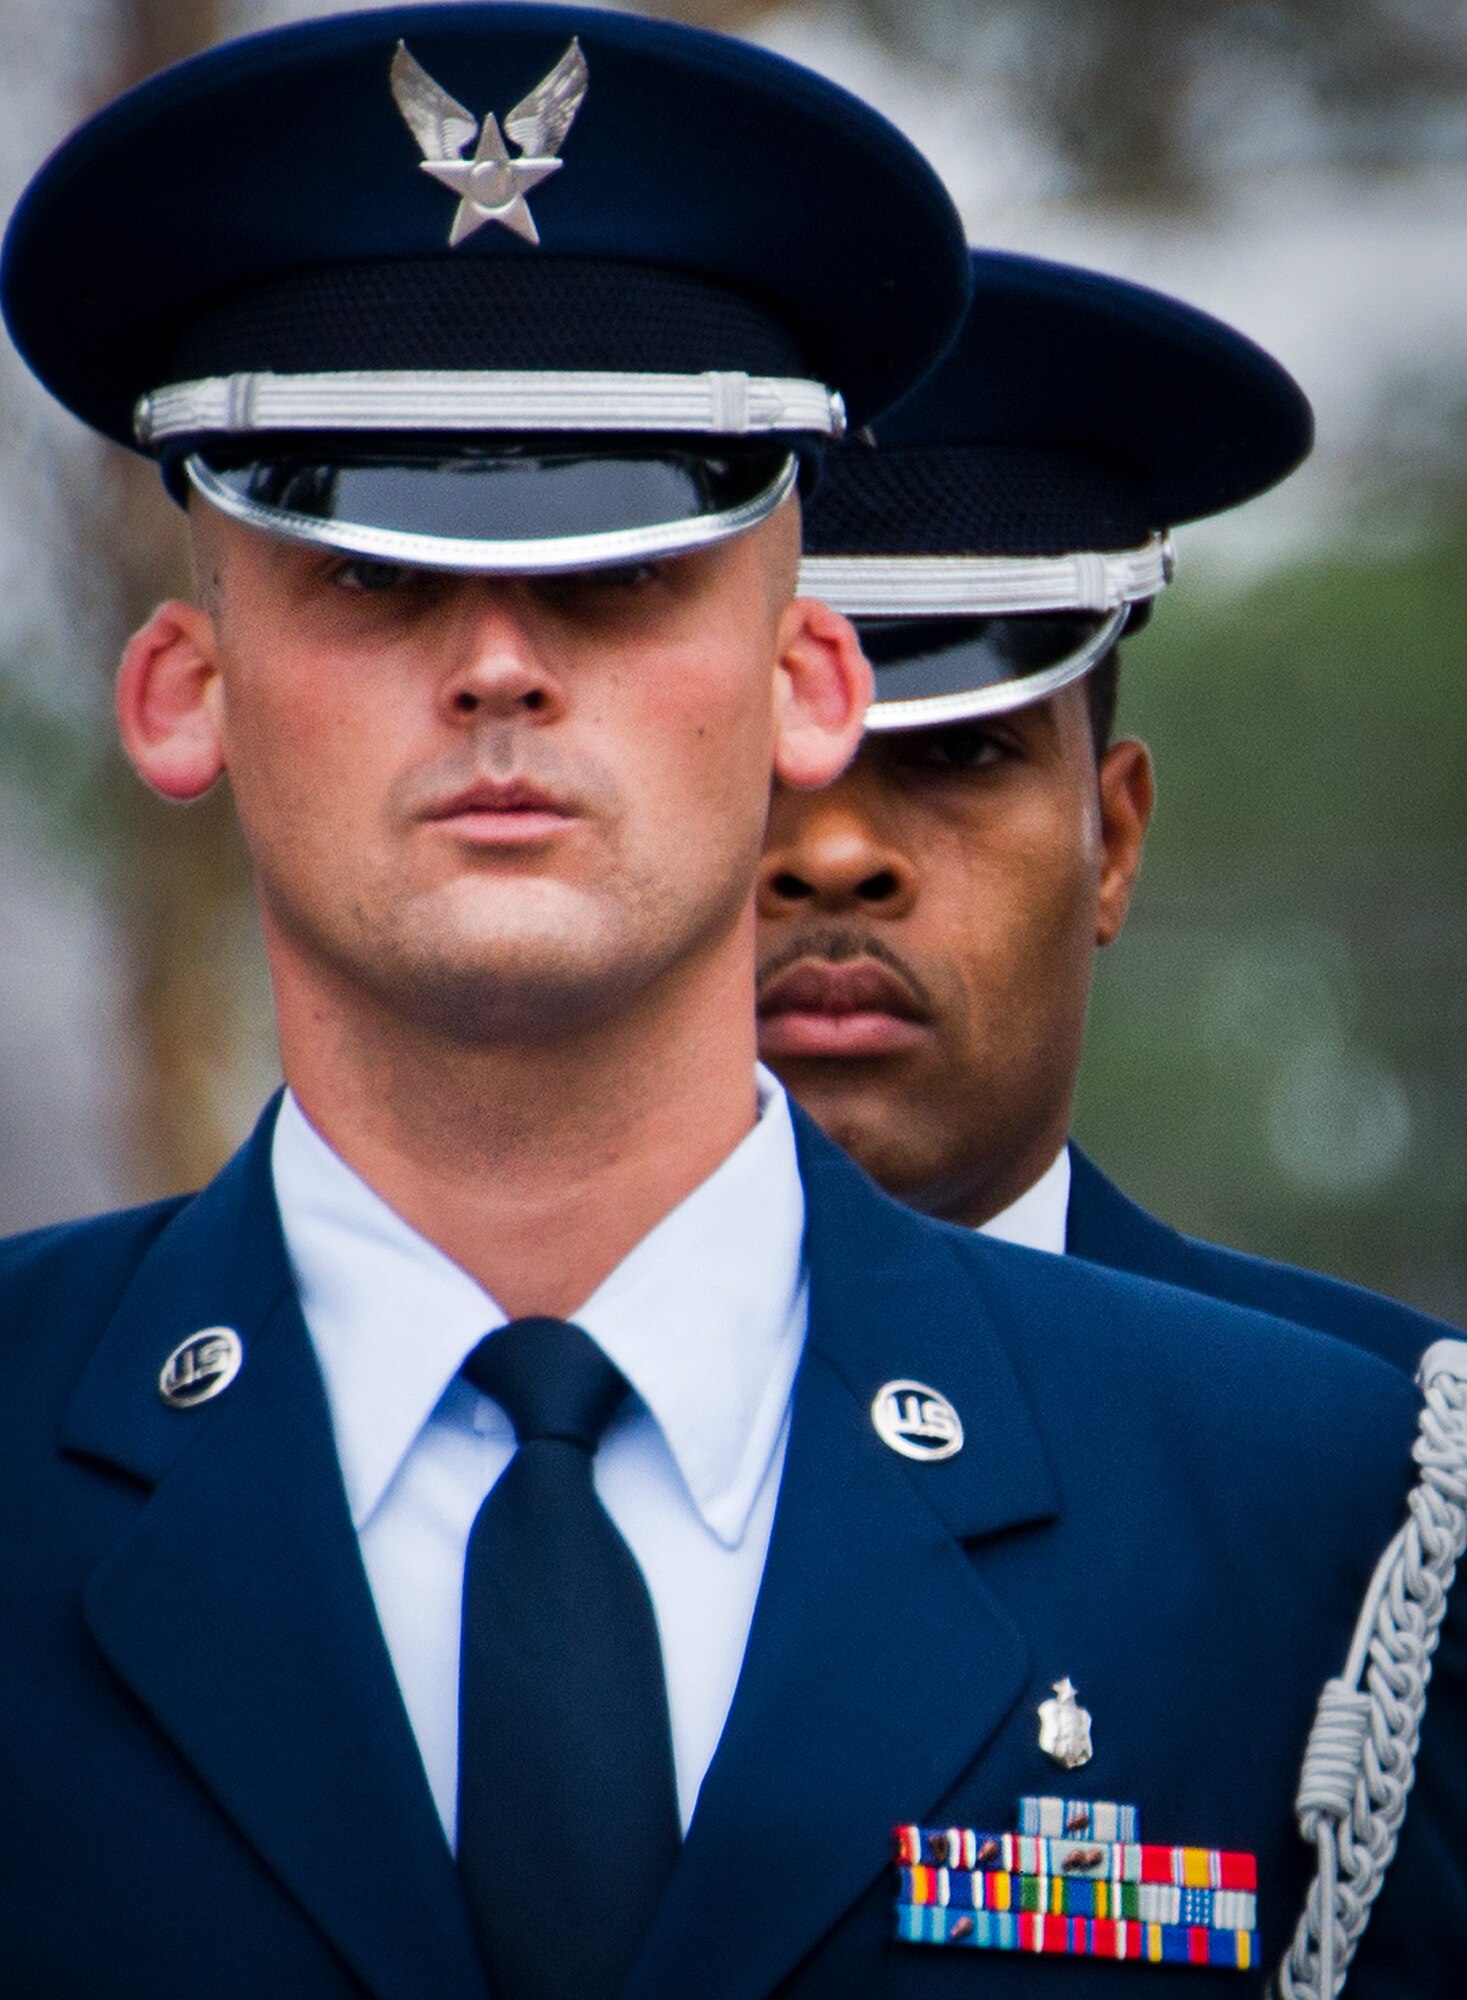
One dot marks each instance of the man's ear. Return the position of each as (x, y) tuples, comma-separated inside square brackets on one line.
[(1127, 795), (823, 687), (168, 702)]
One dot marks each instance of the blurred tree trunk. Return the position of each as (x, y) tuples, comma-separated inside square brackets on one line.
[(174, 875), (1115, 93)]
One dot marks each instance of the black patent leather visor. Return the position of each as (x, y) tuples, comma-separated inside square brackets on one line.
[(516, 507), (935, 670)]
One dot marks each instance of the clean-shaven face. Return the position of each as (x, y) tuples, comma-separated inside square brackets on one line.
[(502, 806)]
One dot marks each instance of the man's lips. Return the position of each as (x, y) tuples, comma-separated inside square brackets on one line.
[(492, 814), (819, 1009)]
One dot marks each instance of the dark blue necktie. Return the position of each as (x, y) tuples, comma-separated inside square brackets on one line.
[(567, 1811)]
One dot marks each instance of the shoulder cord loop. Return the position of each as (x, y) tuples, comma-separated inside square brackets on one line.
[(1361, 1755)]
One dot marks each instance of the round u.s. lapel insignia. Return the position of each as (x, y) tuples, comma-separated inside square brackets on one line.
[(200, 1367), (916, 1420)]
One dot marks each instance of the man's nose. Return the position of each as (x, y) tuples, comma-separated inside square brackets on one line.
[(827, 852), (499, 670)]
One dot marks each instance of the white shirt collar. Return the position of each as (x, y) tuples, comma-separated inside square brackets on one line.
[(1038, 1219), (705, 1317)]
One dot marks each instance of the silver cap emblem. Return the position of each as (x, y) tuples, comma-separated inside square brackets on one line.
[(200, 1367), (491, 186), (917, 1421), (1064, 1727)]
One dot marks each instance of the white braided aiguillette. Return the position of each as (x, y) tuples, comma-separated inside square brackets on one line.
[(1361, 1756)]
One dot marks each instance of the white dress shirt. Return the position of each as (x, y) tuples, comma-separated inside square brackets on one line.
[(706, 1319), (1039, 1218)]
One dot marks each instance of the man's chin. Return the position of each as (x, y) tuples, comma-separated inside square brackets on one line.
[(886, 1129), (849, 1101), (478, 990)]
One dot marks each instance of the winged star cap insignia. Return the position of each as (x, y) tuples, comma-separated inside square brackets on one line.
[(490, 184)]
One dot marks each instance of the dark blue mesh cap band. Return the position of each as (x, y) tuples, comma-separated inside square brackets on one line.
[(971, 500), (541, 313)]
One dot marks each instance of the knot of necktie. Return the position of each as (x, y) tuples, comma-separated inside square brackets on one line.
[(551, 1380)]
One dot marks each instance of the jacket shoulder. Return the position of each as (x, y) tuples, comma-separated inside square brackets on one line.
[(1125, 1346), (123, 1232), (1109, 1228), (1216, 1372), (66, 1280), (1395, 1332)]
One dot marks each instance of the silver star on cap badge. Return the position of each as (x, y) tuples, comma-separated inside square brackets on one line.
[(1064, 1727), (491, 186)]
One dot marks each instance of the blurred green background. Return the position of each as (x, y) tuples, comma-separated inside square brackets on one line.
[(1278, 1055), (1276, 1046)]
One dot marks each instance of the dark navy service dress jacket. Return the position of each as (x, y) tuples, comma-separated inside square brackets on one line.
[(208, 1784), (1107, 1227)]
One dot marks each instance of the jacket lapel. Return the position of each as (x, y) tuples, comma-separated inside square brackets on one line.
[(878, 1663), (237, 1610)]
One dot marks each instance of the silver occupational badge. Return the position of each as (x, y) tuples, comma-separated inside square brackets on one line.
[(202, 1366), (916, 1421), (1064, 1727), (491, 186)]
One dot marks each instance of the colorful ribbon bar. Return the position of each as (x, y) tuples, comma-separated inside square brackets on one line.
[(1076, 1881), (1077, 1937), (1072, 1896), (1093, 1819), (967, 1849)]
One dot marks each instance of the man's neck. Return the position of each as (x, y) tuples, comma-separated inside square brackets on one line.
[(975, 1203), (1038, 1217), (536, 1166)]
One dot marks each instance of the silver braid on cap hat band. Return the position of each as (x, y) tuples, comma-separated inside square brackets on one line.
[(1361, 1758), (935, 586), (718, 403)]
